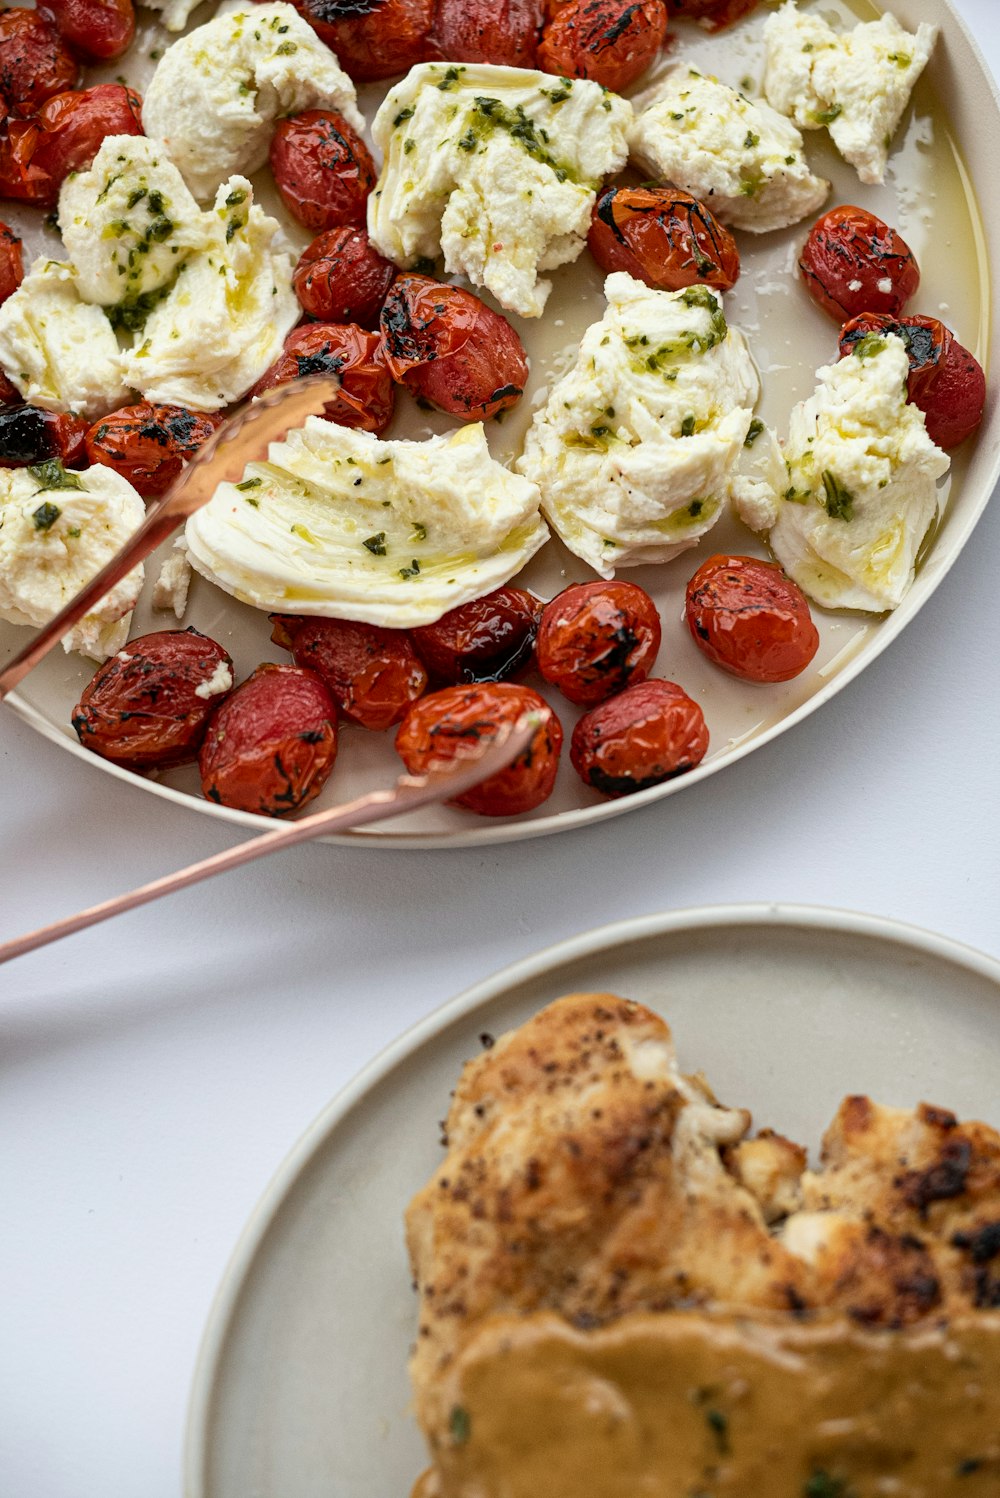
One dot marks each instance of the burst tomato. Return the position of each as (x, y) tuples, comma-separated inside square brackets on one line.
[(438, 726), (19, 178), (11, 263), (664, 237), (946, 381), (487, 639), (29, 435), (373, 674), (610, 41), (95, 29), (372, 38), (504, 32), (149, 444), (595, 638), (37, 155), (649, 733), (323, 169), (750, 619), (35, 62), (366, 397), (449, 348), (342, 278), (852, 263)]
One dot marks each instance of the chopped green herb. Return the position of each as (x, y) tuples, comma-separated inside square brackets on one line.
[(687, 426), (751, 141), (868, 347), (460, 1425), (826, 116), (753, 432), (419, 531), (411, 570), (237, 196), (410, 145), (839, 501), (286, 49), (249, 484), (52, 475), (375, 544), (403, 116), (46, 516), (450, 78)]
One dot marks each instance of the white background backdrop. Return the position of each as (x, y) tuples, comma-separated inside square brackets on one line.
[(154, 1072)]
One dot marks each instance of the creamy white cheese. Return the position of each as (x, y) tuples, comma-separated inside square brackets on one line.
[(57, 530), (857, 83), (634, 448), (60, 351), (218, 92), (226, 317), (496, 169), (858, 494), (174, 13), (339, 523), (221, 680), (128, 222), (173, 582), (739, 156)]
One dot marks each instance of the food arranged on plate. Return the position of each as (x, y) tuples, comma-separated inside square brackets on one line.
[(390, 566), (622, 1289)]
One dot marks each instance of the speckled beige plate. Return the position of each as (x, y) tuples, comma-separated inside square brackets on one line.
[(949, 141)]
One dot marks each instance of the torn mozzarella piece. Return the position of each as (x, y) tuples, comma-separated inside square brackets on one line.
[(60, 352), (339, 524), (57, 530), (859, 489), (173, 583), (496, 169), (635, 446), (739, 156), (857, 83), (175, 13), (217, 93)]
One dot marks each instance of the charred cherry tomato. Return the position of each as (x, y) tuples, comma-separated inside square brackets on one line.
[(750, 619), (504, 32), (95, 29), (323, 169), (853, 263), (441, 724), (149, 705), (366, 398), (11, 263), (372, 38), (612, 42), (713, 14), (488, 639), (342, 278), (664, 237), (595, 638), (650, 732), (271, 745), (35, 62), (29, 435), (149, 444), (75, 125), (946, 381), (373, 674), (19, 178), (449, 348)]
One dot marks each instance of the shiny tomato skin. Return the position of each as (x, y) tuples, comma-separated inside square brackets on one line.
[(96, 30), (488, 639), (852, 263), (449, 348), (142, 709), (372, 38), (30, 435), (11, 263), (366, 398), (596, 638), (323, 170), (9, 393), (73, 126), (341, 277), (35, 62), (271, 745), (647, 734), (946, 382), (713, 14), (750, 619), (148, 444), (438, 726), (662, 236), (373, 674), (611, 42), (20, 179), (503, 32)]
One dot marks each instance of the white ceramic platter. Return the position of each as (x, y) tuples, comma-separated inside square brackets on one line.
[(948, 142), (301, 1386)]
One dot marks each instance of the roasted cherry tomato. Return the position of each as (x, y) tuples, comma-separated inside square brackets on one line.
[(149, 444), (366, 398), (373, 674), (650, 732), (750, 619), (29, 435), (323, 169), (504, 32), (439, 725), (11, 263), (611, 41), (372, 38), (595, 638), (946, 381), (19, 178), (37, 155), (35, 62), (449, 348), (149, 705), (664, 237), (853, 263), (95, 29), (714, 14), (9, 393), (488, 639), (271, 745), (342, 278)]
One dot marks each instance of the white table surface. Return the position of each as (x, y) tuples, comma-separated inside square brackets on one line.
[(154, 1072)]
